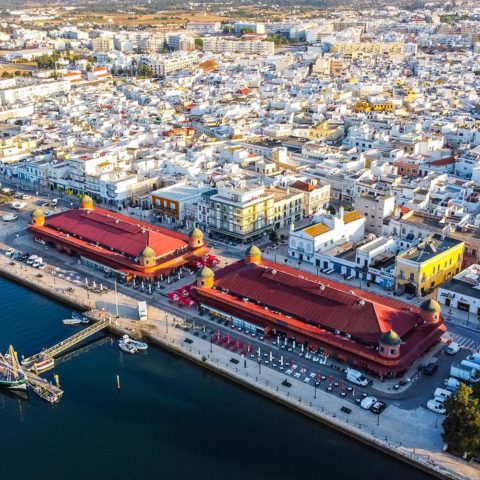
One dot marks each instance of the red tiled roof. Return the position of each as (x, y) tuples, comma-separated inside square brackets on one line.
[(361, 314), (305, 187), (116, 231)]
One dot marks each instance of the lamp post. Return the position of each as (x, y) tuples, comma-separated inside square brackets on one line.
[(259, 365), (315, 387)]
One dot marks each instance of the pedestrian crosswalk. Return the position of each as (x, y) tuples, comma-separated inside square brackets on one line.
[(465, 342)]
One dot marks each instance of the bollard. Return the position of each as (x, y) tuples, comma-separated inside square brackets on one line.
[(57, 380)]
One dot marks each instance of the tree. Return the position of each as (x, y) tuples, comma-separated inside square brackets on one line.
[(461, 426), (198, 43), (144, 71), (331, 210), (273, 236)]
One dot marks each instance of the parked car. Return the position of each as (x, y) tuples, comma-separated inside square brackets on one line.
[(9, 217), (430, 368), (378, 407), (436, 406), (26, 197), (9, 252), (42, 266), (453, 348), (368, 402), (54, 202), (32, 259)]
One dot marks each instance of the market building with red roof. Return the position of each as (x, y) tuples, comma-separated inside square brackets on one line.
[(369, 332), (117, 244)]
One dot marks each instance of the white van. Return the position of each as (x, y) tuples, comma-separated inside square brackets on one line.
[(53, 201), (451, 384), (441, 394), (474, 357), (357, 377), (453, 348)]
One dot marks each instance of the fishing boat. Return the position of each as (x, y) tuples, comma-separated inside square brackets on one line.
[(46, 395), (81, 318), (11, 374), (138, 345), (43, 365), (71, 321), (126, 347)]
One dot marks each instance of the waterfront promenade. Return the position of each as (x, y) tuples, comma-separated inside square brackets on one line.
[(413, 436)]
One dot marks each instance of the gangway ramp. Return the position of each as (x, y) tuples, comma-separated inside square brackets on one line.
[(67, 343)]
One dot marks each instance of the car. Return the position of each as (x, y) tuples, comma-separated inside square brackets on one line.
[(452, 349), (9, 252), (436, 406), (9, 217), (32, 259), (430, 368), (45, 204), (306, 379), (286, 383), (368, 402), (25, 188), (54, 202), (234, 360), (188, 340), (26, 197), (297, 374), (378, 407), (42, 266), (24, 256)]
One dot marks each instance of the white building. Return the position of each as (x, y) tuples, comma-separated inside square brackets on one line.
[(325, 231)]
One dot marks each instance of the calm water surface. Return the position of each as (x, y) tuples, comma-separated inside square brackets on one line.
[(170, 420)]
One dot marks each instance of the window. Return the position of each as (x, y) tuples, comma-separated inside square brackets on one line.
[(392, 351)]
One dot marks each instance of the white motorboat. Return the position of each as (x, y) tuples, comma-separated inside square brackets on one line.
[(134, 343), (71, 321), (126, 347), (43, 365), (81, 318)]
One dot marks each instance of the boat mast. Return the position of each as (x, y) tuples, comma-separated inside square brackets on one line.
[(13, 358)]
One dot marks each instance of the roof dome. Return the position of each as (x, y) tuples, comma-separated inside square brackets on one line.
[(431, 306), (253, 251), (205, 272), (148, 252), (37, 213), (390, 338), (196, 233), (87, 201)]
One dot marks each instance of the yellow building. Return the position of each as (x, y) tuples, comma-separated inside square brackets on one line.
[(429, 264)]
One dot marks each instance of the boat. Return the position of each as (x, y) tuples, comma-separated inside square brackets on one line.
[(138, 345), (42, 365), (46, 394), (81, 318), (126, 347), (71, 321), (11, 374)]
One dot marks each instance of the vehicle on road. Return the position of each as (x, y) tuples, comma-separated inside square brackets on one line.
[(452, 349), (54, 202), (32, 259), (368, 402), (25, 188), (441, 394), (7, 191), (469, 364), (25, 196), (474, 357), (462, 372), (436, 406), (451, 384), (18, 205), (188, 340), (9, 217), (9, 252), (356, 377), (378, 407), (429, 369), (286, 383)]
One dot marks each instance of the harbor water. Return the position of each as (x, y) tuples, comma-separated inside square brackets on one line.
[(169, 420)]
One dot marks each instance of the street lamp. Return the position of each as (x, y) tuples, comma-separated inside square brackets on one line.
[(316, 384), (259, 365)]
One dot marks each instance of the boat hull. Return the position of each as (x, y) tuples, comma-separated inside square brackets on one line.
[(15, 385)]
